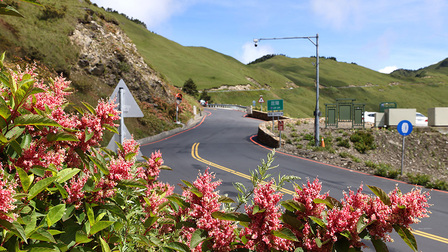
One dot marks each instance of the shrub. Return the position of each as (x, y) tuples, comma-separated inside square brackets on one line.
[(62, 192), (363, 141), (51, 12), (344, 143), (419, 179), (308, 137)]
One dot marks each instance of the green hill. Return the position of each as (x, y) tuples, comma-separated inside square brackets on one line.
[(207, 68)]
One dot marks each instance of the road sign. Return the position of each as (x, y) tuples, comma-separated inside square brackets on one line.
[(404, 127), (275, 105), (275, 114), (130, 106), (281, 125), (261, 100)]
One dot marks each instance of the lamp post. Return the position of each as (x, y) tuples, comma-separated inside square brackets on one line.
[(316, 112)]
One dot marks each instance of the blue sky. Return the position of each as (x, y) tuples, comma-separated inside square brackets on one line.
[(378, 34)]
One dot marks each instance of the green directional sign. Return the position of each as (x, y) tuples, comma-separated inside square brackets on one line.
[(275, 105)]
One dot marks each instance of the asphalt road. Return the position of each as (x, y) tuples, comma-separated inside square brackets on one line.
[(225, 141)]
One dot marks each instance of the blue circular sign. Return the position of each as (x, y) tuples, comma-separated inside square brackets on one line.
[(404, 127)]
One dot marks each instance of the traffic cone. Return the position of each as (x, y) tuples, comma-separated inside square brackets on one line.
[(323, 142)]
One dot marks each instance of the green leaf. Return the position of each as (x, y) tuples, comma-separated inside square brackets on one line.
[(9, 11), (381, 194), (104, 245), (187, 183), (178, 246), (43, 235), (14, 133), (88, 135), (81, 237), (90, 214), (25, 180), (318, 221), (231, 216), (36, 120), (55, 214), (100, 225), (407, 236), (178, 199), (61, 190), (198, 236), (102, 166), (293, 205), (40, 186), (196, 192), (224, 199), (111, 129), (379, 245), (285, 233), (164, 167), (14, 227), (132, 183), (361, 225), (30, 223), (89, 107), (66, 174), (150, 221), (114, 209), (290, 218), (62, 136)]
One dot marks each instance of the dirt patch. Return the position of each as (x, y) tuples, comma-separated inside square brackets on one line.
[(426, 150)]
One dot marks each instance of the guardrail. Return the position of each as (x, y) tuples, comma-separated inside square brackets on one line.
[(228, 106)]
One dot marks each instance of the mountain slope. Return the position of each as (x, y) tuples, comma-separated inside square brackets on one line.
[(207, 68), (85, 44)]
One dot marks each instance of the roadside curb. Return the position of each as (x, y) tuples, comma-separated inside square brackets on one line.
[(190, 124)]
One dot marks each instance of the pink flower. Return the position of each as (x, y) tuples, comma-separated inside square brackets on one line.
[(7, 197), (200, 213), (260, 230)]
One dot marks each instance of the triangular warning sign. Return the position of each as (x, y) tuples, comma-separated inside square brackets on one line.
[(130, 106), (116, 138), (261, 100)]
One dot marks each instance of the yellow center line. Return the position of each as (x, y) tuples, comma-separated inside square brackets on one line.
[(195, 155)]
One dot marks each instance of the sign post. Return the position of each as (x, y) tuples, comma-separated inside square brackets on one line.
[(178, 101), (261, 101), (281, 127), (404, 128), (128, 108)]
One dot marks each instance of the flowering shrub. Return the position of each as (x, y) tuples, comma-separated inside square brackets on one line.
[(61, 191)]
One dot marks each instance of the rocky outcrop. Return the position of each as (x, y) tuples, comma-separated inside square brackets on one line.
[(109, 54)]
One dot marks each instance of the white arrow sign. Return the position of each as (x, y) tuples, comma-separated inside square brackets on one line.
[(130, 106)]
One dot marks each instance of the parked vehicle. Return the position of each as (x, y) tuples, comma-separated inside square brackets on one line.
[(369, 117), (421, 120)]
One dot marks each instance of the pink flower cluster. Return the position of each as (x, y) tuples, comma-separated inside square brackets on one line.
[(200, 213), (6, 197), (378, 217), (264, 220), (151, 172)]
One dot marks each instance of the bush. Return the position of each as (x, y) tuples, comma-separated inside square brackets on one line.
[(344, 143), (363, 141), (51, 12), (62, 192), (419, 179)]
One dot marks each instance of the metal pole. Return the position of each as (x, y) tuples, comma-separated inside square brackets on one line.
[(402, 156), (316, 111), (121, 97), (177, 113), (316, 120)]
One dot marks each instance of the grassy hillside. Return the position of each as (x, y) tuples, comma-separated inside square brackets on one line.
[(207, 68)]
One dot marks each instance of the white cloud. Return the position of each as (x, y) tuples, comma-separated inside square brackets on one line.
[(153, 12), (388, 69), (339, 13), (251, 53)]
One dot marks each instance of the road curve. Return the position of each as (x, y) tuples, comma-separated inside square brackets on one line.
[(225, 141)]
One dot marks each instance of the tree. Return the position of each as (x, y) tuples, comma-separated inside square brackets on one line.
[(205, 96), (190, 88)]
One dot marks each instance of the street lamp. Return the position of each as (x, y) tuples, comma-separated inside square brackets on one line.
[(316, 112)]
